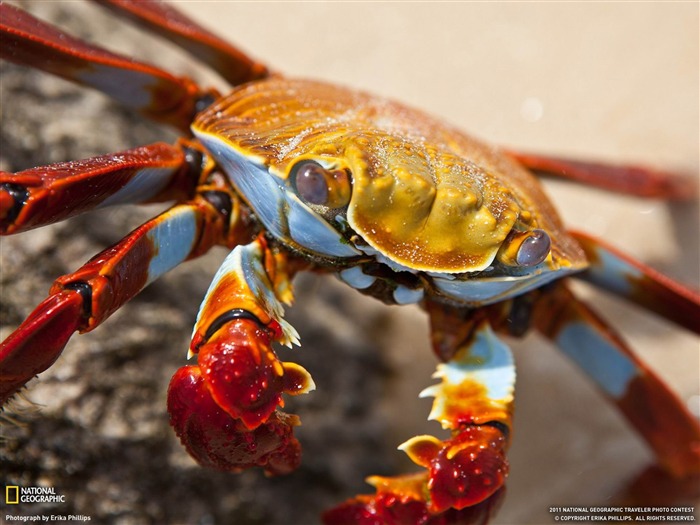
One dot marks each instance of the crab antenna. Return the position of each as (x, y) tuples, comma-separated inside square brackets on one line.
[(232, 64), (148, 89)]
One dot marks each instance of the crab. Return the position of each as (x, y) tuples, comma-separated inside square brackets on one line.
[(381, 261)]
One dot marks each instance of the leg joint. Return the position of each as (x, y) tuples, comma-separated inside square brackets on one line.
[(19, 195), (231, 315), (85, 291)]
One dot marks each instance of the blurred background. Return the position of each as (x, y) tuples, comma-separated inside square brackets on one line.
[(608, 81)]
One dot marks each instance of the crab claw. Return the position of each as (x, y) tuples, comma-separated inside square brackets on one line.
[(224, 409), (463, 483), (243, 374), (464, 470), (464, 476), (217, 440), (393, 509)]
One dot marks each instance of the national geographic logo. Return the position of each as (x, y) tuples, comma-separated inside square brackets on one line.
[(14, 495), (11, 495)]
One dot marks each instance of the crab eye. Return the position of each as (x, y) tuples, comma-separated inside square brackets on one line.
[(310, 182), (525, 249), (316, 185), (534, 249)]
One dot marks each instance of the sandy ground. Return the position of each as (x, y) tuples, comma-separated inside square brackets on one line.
[(610, 81)]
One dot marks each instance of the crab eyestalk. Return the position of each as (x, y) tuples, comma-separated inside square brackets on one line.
[(225, 408)]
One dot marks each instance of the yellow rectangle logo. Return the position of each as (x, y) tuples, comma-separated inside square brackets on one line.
[(11, 495)]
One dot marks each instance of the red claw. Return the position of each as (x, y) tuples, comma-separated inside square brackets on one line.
[(463, 484), (224, 409), (469, 469), (217, 440), (390, 509), (242, 373)]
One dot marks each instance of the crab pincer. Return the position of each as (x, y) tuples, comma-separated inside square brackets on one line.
[(464, 476), (225, 408)]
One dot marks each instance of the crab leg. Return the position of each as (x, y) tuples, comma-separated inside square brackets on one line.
[(464, 477), (660, 417), (145, 88), (224, 409), (614, 271), (165, 20), (632, 180), (47, 194), (82, 300)]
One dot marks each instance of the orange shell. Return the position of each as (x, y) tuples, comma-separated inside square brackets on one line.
[(425, 195)]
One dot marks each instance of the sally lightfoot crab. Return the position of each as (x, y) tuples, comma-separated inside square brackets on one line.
[(299, 175)]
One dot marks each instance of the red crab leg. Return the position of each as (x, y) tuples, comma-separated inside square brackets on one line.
[(224, 409), (614, 271), (85, 298), (168, 22), (633, 180), (47, 194), (150, 90), (660, 417), (463, 481)]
